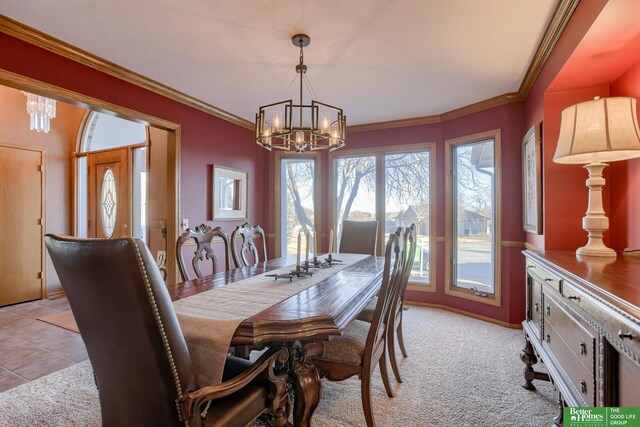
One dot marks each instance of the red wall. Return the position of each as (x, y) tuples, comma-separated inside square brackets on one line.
[(625, 177), (205, 139), (535, 108)]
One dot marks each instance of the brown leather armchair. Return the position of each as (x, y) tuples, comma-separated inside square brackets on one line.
[(136, 347)]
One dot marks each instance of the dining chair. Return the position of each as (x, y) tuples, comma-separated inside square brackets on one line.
[(359, 237), (136, 348), (364, 345), (395, 318), (248, 253), (202, 236)]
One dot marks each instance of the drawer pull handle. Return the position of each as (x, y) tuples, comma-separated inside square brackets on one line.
[(574, 297), (623, 336), (548, 279), (583, 386), (548, 338), (548, 310), (583, 347), (536, 307)]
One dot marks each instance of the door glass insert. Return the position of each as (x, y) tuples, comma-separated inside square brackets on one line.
[(108, 202)]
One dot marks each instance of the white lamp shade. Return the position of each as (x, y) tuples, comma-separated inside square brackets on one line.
[(601, 130)]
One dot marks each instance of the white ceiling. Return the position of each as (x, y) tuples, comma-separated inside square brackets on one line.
[(377, 59)]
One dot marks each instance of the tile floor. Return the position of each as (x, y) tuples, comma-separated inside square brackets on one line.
[(30, 348)]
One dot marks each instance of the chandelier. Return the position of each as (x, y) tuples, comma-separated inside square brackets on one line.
[(41, 110), (299, 127)]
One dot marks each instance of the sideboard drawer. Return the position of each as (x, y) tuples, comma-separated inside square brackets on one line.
[(581, 378), (627, 331), (544, 275), (580, 340)]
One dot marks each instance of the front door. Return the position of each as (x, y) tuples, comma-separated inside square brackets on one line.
[(20, 224), (109, 199)]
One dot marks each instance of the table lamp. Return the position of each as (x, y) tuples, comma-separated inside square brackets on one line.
[(591, 133)]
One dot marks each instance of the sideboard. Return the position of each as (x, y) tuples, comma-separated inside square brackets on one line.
[(583, 323)]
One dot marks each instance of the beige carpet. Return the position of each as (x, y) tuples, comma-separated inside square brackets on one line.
[(64, 319), (460, 372)]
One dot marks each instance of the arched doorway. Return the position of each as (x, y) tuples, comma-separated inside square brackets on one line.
[(114, 159)]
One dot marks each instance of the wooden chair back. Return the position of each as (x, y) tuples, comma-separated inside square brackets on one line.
[(359, 237), (248, 253), (410, 240), (391, 282), (203, 235), (127, 322)]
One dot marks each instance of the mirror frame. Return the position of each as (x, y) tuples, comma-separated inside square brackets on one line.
[(243, 196)]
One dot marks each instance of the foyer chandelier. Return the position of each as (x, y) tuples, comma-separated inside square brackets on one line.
[(299, 127), (41, 110)]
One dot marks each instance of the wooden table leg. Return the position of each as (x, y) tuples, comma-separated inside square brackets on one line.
[(306, 382)]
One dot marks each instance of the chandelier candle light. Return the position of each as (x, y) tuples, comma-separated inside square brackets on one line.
[(41, 110), (318, 126), (591, 133)]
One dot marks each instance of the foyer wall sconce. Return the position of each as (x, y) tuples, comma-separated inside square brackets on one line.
[(592, 133), (41, 110), (299, 127)]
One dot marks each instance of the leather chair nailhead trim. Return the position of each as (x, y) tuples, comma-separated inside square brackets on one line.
[(165, 341)]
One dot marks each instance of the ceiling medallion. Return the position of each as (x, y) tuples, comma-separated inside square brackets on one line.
[(298, 127)]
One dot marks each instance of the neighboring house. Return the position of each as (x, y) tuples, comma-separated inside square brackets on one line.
[(473, 223), (418, 215)]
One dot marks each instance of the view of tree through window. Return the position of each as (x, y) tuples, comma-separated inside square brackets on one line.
[(355, 190), (403, 199), (406, 180), (297, 184), (473, 213)]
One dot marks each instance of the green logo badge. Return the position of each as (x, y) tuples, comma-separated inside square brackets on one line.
[(601, 417)]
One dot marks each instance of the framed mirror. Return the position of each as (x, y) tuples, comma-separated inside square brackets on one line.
[(230, 196)]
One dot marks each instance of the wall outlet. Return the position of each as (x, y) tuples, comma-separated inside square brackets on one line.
[(184, 224)]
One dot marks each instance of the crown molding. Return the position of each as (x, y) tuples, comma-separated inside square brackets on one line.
[(563, 12), (37, 38), (439, 118), (561, 16)]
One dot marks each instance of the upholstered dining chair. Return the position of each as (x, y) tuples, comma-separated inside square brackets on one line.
[(395, 318), (248, 253), (138, 353), (359, 237), (364, 345), (202, 235)]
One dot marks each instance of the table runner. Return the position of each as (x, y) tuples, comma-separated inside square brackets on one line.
[(209, 319)]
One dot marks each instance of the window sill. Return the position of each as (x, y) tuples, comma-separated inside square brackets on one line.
[(490, 299)]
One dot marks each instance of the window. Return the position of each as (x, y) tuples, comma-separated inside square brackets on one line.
[(297, 205), (406, 202), (472, 213), (355, 190), (392, 185)]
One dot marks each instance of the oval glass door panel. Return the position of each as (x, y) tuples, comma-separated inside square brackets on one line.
[(108, 202)]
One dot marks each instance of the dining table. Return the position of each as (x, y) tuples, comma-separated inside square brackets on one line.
[(297, 313)]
